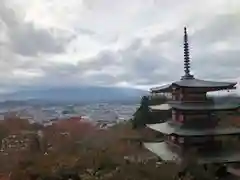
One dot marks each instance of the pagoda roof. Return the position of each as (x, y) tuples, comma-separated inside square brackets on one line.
[(167, 128), (204, 106), (163, 150), (164, 88), (195, 83), (198, 83), (234, 169)]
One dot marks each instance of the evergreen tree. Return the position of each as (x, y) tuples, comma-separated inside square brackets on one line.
[(142, 116), (35, 144), (3, 133)]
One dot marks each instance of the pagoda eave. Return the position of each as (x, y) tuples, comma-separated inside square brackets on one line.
[(198, 83), (234, 169), (162, 89), (163, 150), (168, 129), (195, 84)]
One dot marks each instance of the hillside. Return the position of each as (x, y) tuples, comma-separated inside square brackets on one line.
[(227, 99)]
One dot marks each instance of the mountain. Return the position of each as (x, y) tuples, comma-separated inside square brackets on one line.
[(227, 99), (78, 94)]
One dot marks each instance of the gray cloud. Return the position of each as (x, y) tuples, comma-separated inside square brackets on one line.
[(139, 65), (142, 64), (223, 64), (218, 64), (25, 38), (28, 41), (146, 61), (222, 27), (85, 31), (148, 65)]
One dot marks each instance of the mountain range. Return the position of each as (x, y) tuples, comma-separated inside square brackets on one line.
[(232, 98), (86, 94)]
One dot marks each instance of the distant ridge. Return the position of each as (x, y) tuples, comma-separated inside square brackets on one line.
[(84, 94), (233, 98)]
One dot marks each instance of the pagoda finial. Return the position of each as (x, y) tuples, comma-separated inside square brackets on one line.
[(187, 74)]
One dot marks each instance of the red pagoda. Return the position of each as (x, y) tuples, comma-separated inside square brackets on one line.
[(195, 125)]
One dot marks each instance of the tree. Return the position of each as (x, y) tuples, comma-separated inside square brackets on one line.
[(190, 167), (35, 145), (3, 132), (142, 116)]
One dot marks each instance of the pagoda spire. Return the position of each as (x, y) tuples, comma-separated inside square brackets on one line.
[(187, 74)]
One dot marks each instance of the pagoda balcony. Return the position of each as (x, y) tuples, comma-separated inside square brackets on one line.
[(196, 106), (165, 95), (201, 145), (181, 144), (161, 107), (205, 106)]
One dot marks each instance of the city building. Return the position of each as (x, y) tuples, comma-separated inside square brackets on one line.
[(195, 128)]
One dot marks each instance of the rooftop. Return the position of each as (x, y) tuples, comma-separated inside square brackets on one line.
[(165, 153), (234, 169), (162, 150), (195, 83), (167, 128)]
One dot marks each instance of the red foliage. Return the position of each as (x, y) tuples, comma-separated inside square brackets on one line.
[(64, 134), (15, 124), (75, 126), (4, 177)]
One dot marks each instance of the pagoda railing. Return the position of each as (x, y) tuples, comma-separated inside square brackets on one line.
[(207, 101), (166, 95)]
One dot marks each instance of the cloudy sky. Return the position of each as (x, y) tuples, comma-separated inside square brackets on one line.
[(115, 42)]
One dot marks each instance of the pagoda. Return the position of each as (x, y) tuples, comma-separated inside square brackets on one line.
[(195, 126)]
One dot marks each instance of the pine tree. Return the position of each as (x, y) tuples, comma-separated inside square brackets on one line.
[(142, 116)]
